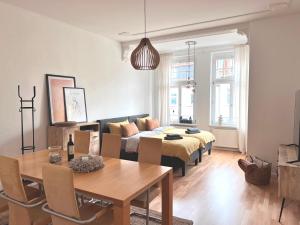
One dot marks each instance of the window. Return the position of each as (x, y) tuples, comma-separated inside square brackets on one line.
[(180, 71), (223, 79), (181, 99)]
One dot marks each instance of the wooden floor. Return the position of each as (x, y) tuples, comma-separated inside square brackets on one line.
[(215, 193)]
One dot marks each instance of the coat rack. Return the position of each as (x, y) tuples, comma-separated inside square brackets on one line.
[(30, 106)]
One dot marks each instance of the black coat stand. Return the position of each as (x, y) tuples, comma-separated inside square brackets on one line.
[(29, 106)]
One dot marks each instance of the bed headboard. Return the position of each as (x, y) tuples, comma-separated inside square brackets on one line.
[(135, 117), (104, 127)]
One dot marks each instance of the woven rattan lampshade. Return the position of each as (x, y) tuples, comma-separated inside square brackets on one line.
[(145, 56)]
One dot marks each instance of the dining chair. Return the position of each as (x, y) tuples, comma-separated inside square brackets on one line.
[(82, 142), (111, 145), (61, 200), (149, 151), (3, 202), (3, 205), (23, 201)]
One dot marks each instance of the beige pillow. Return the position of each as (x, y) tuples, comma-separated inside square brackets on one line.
[(115, 128), (141, 123)]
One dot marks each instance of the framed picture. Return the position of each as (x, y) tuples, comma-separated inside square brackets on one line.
[(55, 85), (75, 105)]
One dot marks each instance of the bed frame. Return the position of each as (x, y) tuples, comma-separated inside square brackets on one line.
[(174, 162)]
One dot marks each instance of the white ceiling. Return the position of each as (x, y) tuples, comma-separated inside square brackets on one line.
[(111, 17)]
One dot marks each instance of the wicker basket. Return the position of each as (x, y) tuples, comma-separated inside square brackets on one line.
[(257, 171)]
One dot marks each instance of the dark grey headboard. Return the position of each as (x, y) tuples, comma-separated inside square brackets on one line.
[(104, 127), (135, 117)]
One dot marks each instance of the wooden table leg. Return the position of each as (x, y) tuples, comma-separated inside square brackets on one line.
[(122, 215), (167, 199)]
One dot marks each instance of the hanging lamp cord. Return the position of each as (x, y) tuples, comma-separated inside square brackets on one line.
[(189, 61), (194, 68), (145, 18)]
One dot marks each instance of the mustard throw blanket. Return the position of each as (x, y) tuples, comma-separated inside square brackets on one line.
[(181, 148), (204, 137)]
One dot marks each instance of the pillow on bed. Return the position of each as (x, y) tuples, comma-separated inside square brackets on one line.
[(115, 128), (152, 124), (129, 130), (141, 123)]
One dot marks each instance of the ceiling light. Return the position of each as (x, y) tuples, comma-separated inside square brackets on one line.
[(191, 61), (145, 56)]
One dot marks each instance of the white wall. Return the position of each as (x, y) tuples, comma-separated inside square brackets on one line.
[(202, 94), (32, 45), (274, 80)]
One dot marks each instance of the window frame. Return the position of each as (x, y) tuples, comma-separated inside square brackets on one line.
[(179, 84), (214, 81)]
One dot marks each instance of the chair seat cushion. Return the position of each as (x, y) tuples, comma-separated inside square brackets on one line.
[(141, 200)]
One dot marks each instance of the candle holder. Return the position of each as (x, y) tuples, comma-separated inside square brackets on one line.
[(55, 154)]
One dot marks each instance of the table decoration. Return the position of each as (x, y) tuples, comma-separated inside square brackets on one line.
[(55, 154), (86, 163)]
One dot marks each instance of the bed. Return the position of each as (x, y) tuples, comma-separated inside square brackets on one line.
[(205, 138), (176, 153)]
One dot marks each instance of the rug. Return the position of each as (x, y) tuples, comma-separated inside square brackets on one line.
[(139, 220), (135, 220)]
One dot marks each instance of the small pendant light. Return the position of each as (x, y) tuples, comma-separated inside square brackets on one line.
[(145, 56), (191, 83)]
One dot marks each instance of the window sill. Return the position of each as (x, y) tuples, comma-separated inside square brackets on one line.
[(184, 124), (224, 127)]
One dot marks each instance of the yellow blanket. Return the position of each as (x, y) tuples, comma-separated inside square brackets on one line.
[(204, 137), (182, 148)]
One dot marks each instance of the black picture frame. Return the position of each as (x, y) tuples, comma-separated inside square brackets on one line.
[(68, 119), (52, 119)]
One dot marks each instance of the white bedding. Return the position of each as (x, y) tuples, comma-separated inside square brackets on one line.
[(131, 144)]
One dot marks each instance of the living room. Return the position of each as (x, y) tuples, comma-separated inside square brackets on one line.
[(92, 41)]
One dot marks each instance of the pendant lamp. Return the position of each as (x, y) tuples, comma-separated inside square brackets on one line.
[(191, 83), (145, 56)]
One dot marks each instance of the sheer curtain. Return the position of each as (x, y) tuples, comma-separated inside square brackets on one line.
[(161, 89), (242, 68)]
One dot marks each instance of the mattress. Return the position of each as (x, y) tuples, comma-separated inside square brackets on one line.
[(182, 148)]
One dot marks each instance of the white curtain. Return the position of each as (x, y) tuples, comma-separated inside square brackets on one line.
[(161, 89), (242, 68)]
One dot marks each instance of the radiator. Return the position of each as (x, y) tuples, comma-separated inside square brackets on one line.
[(227, 138)]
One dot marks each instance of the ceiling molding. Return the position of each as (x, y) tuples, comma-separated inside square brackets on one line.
[(261, 12), (241, 28)]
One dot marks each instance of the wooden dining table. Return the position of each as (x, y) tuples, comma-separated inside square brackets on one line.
[(120, 181)]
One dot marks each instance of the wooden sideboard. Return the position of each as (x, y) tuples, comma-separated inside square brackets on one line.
[(59, 136), (288, 175)]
